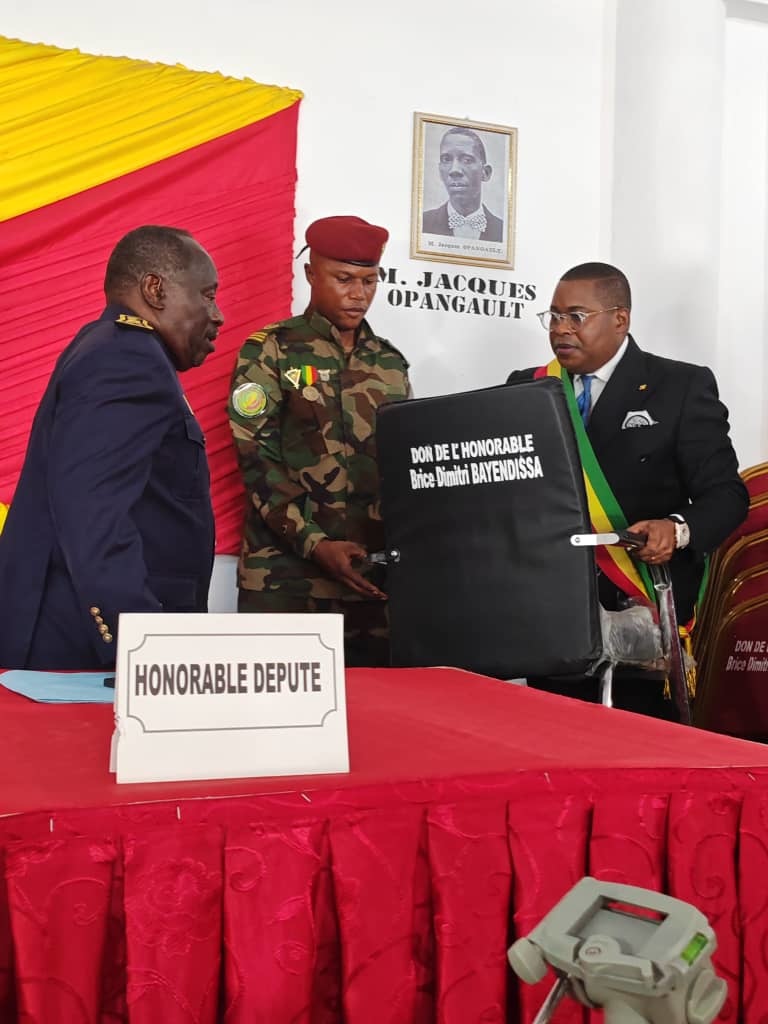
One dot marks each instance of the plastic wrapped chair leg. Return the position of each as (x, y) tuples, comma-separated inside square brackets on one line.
[(670, 634), (630, 637), (606, 685), (633, 637), (626, 634)]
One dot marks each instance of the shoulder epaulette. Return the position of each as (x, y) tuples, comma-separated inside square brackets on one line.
[(278, 328), (129, 320), (261, 335)]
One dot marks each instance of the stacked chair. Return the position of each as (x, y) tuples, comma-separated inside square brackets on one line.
[(730, 639)]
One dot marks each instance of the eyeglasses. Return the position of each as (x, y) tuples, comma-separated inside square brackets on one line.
[(573, 320)]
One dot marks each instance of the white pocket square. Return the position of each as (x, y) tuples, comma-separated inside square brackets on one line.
[(638, 418)]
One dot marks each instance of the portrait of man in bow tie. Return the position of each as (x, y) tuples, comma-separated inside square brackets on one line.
[(464, 168), (463, 196)]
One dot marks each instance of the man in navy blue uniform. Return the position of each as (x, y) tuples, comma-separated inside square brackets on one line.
[(112, 512)]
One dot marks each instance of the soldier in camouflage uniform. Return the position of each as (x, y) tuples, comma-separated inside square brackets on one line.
[(303, 413)]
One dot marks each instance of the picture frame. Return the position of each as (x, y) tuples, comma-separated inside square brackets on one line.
[(463, 169)]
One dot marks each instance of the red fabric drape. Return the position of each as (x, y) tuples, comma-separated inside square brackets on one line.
[(59, 894), (400, 915), (471, 867), (173, 897), (387, 895), (236, 195), (278, 909)]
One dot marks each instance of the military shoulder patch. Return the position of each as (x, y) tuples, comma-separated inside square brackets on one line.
[(129, 320), (261, 335), (249, 400)]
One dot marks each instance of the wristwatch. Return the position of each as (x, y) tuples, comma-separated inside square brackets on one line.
[(682, 530)]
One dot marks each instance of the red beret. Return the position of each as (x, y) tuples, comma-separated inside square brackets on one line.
[(347, 239)]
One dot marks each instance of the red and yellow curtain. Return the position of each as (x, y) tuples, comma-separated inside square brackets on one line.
[(94, 146)]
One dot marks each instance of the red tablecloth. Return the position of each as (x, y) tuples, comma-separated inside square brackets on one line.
[(386, 895)]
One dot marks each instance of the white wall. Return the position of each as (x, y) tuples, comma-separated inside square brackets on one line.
[(742, 369), (538, 65), (642, 140), (690, 173), (668, 137)]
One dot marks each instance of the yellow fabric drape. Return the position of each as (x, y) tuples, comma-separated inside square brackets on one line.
[(72, 120)]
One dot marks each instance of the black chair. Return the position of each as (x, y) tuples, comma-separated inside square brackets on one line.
[(481, 494)]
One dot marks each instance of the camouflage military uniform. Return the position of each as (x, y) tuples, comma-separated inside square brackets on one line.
[(303, 415)]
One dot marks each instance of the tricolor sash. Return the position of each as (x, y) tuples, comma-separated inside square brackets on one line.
[(605, 513)]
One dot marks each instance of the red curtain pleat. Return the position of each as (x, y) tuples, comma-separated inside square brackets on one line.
[(236, 195), (702, 835), (548, 839), (114, 1003), (383, 899), (173, 919), (628, 845), (272, 873), (400, 915), (58, 898), (629, 840), (472, 880), (7, 973), (753, 900)]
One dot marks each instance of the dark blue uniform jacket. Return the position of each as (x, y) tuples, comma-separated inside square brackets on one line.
[(112, 511)]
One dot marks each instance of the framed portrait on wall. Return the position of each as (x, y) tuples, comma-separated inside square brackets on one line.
[(463, 204)]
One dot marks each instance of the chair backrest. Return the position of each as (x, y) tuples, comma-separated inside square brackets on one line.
[(750, 582), (756, 520), (756, 479), (481, 492), (729, 560), (732, 694)]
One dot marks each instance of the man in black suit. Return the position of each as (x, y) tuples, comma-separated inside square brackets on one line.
[(660, 435), (463, 169)]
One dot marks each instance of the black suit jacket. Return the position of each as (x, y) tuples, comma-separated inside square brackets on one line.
[(435, 222), (683, 463)]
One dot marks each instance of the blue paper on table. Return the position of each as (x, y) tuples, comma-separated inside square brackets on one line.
[(60, 687)]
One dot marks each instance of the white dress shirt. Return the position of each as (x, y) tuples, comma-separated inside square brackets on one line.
[(601, 376)]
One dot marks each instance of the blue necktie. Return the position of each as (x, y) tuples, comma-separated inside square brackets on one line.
[(584, 401)]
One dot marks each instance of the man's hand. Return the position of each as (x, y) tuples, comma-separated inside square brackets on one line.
[(336, 558), (660, 545)]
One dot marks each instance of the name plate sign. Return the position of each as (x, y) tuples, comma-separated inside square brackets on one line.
[(212, 696)]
